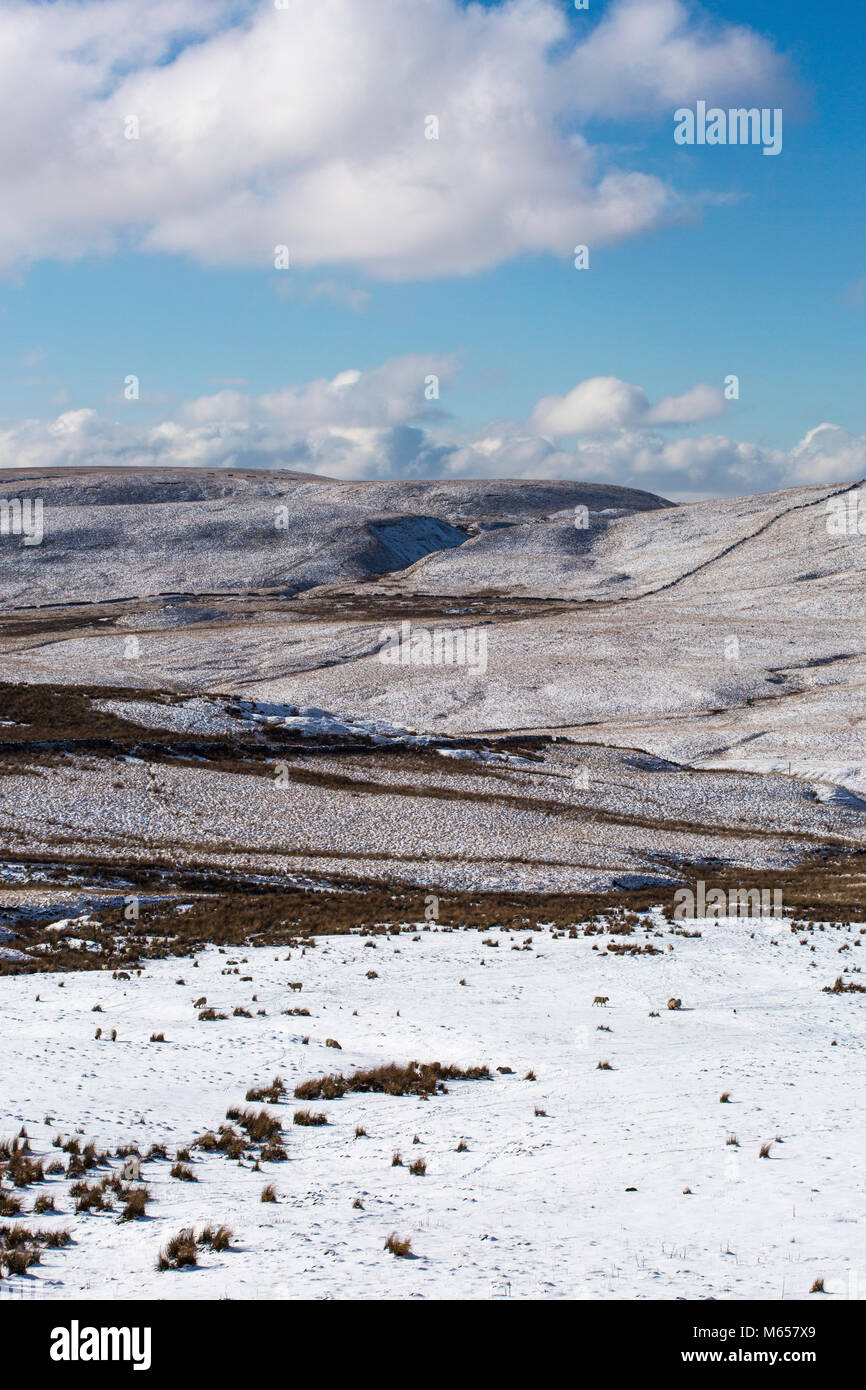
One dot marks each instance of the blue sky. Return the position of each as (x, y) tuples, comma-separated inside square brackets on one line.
[(753, 266)]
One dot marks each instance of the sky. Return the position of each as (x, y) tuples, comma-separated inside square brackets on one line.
[(161, 163)]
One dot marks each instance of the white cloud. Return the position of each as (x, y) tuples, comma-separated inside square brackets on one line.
[(379, 424), (304, 126), (376, 423), (702, 402), (648, 55), (828, 452), (604, 403), (599, 403)]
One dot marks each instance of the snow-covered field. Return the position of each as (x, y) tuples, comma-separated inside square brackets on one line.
[(539, 1205)]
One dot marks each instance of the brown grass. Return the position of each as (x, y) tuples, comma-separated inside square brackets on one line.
[(216, 1238), (228, 1141), (258, 1124), (136, 1205), (19, 1261), (273, 1152), (90, 1197), (840, 987), (402, 1249), (272, 1094), (413, 1079), (181, 1252), (23, 1170), (307, 1117)]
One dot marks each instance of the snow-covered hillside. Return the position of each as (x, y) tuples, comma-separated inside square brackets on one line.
[(584, 1182)]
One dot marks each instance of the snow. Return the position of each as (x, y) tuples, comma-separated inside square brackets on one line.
[(538, 1206), (310, 721), (843, 783), (195, 716)]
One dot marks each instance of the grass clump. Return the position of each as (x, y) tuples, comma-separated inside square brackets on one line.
[(135, 1207), (181, 1252), (272, 1094), (90, 1197), (413, 1079), (217, 1238), (273, 1152), (401, 1249), (258, 1124)]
